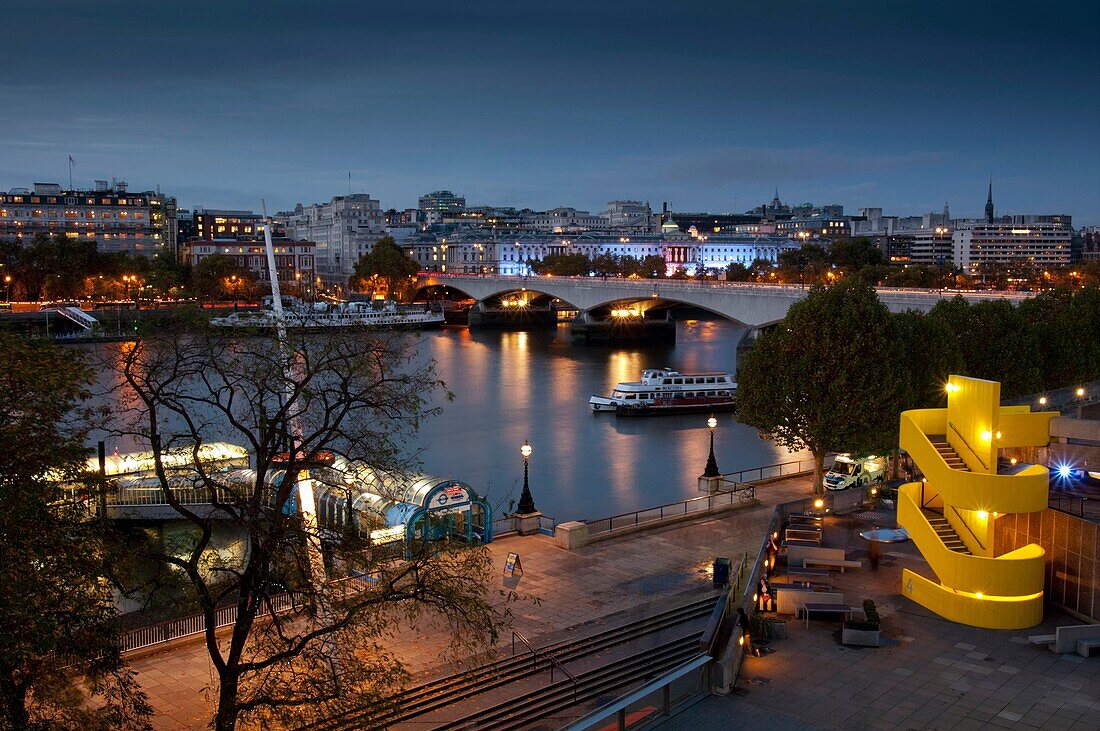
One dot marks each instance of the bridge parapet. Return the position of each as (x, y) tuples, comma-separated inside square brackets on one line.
[(750, 303)]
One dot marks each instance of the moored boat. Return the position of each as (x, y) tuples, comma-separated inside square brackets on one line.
[(335, 315), (665, 391)]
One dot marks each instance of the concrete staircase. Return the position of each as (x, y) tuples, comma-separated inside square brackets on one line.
[(945, 532), (950, 456)]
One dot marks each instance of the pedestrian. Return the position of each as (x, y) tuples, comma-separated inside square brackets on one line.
[(743, 624)]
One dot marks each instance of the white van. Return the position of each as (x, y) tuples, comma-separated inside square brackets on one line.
[(848, 471)]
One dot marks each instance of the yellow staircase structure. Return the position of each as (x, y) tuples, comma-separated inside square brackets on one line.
[(950, 515)]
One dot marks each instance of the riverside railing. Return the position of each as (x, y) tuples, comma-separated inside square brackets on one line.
[(195, 624), (774, 471), (741, 493)]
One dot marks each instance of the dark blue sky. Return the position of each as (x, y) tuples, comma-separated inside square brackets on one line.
[(897, 104)]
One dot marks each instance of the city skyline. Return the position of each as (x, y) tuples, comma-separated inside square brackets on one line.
[(903, 109)]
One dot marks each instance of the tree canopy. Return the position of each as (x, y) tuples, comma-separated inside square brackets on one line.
[(355, 394), (385, 270), (824, 379), (57, 617)]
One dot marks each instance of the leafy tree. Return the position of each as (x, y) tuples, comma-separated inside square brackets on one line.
[(653, 267), (355, 394), (563, 265), (57, 619), (1059, 320), (607, 264), (218, 276), (928, 353), (385, 269), (824, 379), (996, 343), (805, 264), (853, 254), (737, 272), (762, 269)]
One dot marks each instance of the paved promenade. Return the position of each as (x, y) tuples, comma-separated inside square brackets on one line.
[(931, 673), (608, 582)]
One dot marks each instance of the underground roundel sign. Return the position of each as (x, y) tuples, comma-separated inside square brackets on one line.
[(450, 498)]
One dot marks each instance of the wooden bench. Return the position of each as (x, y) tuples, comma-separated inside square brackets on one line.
[(833, 563), (814, 574), (798, 519), (845, 609), (788, 600), (803, 534), (1085, 647)]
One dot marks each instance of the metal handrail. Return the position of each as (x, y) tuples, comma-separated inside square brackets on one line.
[(976, 455), (968, 529), (530, 648), (683, 507)]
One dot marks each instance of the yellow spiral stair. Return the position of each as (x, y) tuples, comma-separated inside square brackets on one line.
[(950, 516)]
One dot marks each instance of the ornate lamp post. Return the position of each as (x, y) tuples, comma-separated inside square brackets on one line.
[(526, 502), (712, 464)]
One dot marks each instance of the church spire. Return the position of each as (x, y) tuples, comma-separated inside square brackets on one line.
[(989, 203)]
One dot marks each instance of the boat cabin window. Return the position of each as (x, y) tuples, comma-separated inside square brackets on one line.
[(710, 379)]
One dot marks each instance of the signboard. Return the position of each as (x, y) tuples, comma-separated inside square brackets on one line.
[(451, 499), (511, 564)]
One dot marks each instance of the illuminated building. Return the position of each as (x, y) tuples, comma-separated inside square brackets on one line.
[(115, 219)]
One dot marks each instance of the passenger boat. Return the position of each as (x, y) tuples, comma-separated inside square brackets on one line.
[(334, 315), (664, 391)]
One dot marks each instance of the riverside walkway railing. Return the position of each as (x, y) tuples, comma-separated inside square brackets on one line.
[(736, 488), (195, 624)]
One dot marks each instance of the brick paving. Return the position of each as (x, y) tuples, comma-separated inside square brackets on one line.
[(607, 583), (933, 674)]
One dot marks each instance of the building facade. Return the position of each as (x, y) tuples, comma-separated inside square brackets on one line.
[(477, 251), (294, 260), (213, 224), (442, 201), (1038, 244), (344, 229), (113, 218)]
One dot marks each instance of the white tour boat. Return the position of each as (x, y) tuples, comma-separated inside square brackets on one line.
[(329, 315), (664, 391)]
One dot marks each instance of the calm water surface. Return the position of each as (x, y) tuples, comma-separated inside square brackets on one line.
[(509, 386)]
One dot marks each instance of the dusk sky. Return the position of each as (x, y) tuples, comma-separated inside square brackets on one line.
[(903, 105)]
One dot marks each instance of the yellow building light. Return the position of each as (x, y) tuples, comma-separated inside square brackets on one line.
[(983, 515), (987, 435)]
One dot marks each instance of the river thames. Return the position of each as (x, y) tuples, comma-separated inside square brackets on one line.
[(511, 386), (534, 385)]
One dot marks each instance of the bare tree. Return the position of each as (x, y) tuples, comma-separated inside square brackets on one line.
[(357, 398)]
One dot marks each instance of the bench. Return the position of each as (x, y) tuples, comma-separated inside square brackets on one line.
[(845, 609), (1079, 638), (788, 600), (1085, 647), (813, 520), (803, 534), (1066, 638), (1042, 639), (833, 563), (802, 542), (818, 574)]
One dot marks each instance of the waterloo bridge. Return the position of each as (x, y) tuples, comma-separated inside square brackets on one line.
[(753, 305)]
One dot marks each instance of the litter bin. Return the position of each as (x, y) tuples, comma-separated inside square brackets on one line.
[(721, 572)]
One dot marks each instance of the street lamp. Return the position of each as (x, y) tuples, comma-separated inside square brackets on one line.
[(526, 502), (7, 288), (712, 463)]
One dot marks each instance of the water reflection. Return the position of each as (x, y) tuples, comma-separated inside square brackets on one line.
[(535, 385)]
